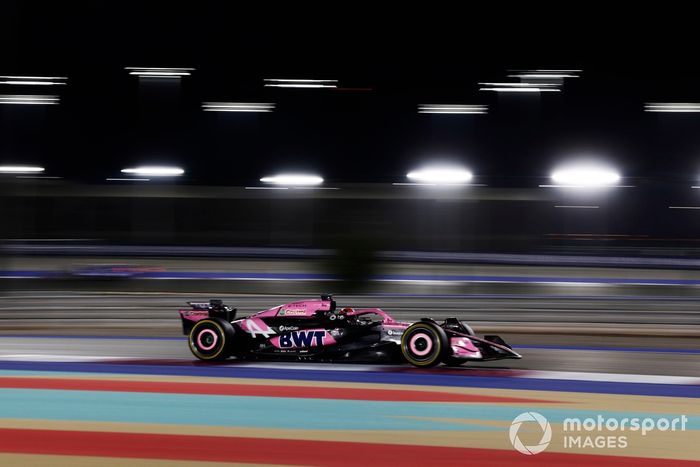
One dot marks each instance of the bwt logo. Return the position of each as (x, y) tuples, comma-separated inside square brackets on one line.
[(302, 339), (530, 418)]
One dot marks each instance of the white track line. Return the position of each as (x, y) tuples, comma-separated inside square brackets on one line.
[(526, 374), (56, 358), (612, 377)]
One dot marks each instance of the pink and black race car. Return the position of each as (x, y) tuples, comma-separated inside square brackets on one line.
[(316, 330)]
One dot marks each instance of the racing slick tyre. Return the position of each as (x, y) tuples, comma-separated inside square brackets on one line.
[(424, 344), (211, 338)]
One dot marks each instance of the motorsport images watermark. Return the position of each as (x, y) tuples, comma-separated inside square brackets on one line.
[(579, 433)]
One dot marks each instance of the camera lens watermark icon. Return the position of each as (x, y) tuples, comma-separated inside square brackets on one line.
[(530, 417)]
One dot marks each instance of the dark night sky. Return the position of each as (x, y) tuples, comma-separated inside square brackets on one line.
[(107, 120)]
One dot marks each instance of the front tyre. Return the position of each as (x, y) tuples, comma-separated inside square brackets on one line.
[(424, 344), (210, 339)]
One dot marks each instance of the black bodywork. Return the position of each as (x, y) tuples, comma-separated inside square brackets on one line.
[(324, 333)]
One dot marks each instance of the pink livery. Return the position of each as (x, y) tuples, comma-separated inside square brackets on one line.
[(317, 330)]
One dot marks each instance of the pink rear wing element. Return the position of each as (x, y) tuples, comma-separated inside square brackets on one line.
[(194, 315)]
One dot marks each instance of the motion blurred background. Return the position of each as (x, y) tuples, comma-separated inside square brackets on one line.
[(93, 92), (535, 175)]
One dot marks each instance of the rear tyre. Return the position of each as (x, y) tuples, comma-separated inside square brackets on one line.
[(424, 344), (211, 338)]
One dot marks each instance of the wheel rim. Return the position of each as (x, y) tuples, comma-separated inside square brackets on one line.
[(421, 346), (207, 340)]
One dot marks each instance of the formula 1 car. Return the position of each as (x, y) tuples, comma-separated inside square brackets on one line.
[(316, 330)]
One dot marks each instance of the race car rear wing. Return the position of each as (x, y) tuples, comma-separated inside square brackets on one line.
[(203, 310)]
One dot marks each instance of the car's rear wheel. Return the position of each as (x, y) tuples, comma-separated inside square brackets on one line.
[(424, 344), (211, 338)]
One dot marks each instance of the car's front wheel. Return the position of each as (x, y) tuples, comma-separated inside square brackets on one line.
[(211, 338), (424, 344)]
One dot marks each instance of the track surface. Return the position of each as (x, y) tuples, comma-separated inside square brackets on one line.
[(159, 309), (644, 360), (112, 398), (155, 316), (69, 410)]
